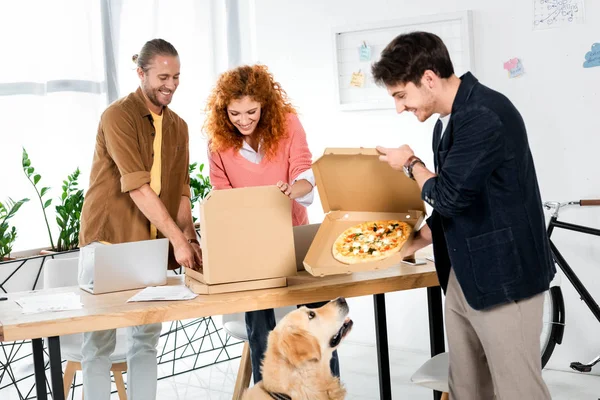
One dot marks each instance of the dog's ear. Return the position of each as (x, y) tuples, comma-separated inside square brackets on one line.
[(299, 346)]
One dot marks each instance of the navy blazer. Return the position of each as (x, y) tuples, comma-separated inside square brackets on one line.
[(488, 223)]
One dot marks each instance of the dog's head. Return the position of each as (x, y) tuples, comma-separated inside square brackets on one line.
[(310, 335)]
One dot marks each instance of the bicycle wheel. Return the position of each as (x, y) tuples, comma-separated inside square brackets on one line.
[(554, 322)]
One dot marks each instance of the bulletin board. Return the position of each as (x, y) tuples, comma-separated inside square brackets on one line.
[(357, 47)]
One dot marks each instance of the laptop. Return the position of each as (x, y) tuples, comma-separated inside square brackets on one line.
[(125, 266)]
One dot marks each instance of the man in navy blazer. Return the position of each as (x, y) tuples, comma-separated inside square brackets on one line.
[(487, 227)]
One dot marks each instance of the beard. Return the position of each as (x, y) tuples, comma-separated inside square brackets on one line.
[(152, 95), (428, 106)]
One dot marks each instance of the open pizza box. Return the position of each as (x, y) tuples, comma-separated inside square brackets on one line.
[(355, 187), (247, 241)]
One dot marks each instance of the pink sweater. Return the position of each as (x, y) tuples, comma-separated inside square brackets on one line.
[(228, 169)]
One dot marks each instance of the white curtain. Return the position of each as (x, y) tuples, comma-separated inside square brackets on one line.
[(52, 91)]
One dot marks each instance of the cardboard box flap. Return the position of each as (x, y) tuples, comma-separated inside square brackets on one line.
[(355, 180), (246, 234)]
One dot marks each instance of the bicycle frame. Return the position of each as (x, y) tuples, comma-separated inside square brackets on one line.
[(566, 268)]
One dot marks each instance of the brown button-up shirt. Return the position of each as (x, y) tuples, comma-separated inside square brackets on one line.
[(122, 162)]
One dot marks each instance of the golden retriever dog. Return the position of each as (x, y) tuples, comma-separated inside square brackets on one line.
[(299, 349)]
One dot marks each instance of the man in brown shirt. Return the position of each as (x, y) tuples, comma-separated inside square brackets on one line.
[(139, 190)]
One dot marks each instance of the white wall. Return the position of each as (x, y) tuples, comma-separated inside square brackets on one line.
[(558, 99)]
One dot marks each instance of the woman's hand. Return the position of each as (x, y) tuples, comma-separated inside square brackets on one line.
[(299, 189), (285, 188)]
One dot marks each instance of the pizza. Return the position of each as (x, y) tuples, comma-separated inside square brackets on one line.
[(371, 241)]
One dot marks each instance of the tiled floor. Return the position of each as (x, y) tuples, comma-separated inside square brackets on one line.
[(359, 374)]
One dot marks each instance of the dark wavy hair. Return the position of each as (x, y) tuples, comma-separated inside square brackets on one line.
[(408, 56)]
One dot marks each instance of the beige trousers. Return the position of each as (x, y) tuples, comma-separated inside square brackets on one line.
[(494, 351)]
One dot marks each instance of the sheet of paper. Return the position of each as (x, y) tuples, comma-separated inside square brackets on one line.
[(157, 293), (358, 79), (364, 52), (549, 14), (50, 302)]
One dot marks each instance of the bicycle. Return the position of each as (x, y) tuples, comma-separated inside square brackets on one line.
[(554, 306)]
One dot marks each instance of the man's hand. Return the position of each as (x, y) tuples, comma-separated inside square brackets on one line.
[(185, 255), (396, 158), (421, 239), (198, 254), (154, 209)]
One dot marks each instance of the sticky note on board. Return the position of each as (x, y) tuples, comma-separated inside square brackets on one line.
[(358, 79), (592, 57), (514, 68), (364, 52)]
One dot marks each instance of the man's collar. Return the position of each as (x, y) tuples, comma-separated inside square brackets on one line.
[(145, 111), (467, 83), (140, 101)]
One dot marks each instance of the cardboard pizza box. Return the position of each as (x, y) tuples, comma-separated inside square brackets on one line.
[(354, 187), (246, 237), (193, 280)]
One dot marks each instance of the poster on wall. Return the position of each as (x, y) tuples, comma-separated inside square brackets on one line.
[(549, 14)]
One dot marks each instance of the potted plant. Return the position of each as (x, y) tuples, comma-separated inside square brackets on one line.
[(34, 178), (23, 271), (8, 234), (199, 187), (68, 212)]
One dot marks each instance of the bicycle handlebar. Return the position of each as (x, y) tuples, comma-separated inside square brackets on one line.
[(593, 202), (555, 206)]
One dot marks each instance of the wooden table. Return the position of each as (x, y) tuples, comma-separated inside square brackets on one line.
[(109, 311)]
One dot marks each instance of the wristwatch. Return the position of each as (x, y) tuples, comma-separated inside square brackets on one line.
[(410, 163), (190, 241)]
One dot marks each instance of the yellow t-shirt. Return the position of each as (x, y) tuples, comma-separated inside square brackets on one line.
[(155, 171)]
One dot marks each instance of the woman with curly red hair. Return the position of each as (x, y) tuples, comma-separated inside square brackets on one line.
[(256, 139)]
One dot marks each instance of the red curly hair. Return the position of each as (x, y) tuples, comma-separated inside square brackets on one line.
[(256, 82)]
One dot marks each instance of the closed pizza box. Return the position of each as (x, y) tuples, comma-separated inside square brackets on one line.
[(246, 236), (355, 187)]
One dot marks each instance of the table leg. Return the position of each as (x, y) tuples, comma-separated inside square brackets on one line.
[(383, 356), (37, 346), (56, 368), (436, 325)]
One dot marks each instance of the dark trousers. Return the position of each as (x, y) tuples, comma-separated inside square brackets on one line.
[(258, 325)]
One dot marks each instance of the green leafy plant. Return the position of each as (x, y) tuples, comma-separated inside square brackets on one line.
[(8, 234), (35, 178), (68, 213), (199, 185)]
